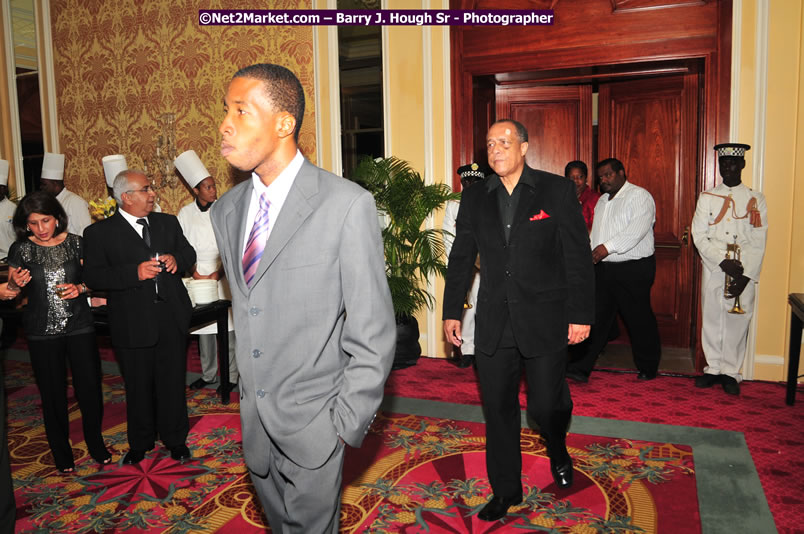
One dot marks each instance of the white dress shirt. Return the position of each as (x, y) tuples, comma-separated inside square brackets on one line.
[(276, 194), (132, 220), (624, 224)]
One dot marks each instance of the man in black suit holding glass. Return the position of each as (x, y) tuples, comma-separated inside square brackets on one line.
[(149, 311), (536, 296)]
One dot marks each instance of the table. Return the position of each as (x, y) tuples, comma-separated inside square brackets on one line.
[(202, 314), (796, 322)]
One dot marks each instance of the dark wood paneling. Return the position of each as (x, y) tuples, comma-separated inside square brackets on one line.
[(590, 28), (484, 108), (624, 6), (558, 119), (652, 127)]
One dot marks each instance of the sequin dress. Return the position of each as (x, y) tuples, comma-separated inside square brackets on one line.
[(46, 314)]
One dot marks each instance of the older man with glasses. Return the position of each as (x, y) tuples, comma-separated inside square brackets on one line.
[(137, 256)]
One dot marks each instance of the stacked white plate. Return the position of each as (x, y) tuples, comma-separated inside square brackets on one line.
[(203, 291), (186, 280)]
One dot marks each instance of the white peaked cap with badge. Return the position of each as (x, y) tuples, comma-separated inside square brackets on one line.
[(3, 172), (53, 166), (112, 166), (191, 168)]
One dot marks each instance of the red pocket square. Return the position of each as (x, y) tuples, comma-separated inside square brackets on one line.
[(539, 216)]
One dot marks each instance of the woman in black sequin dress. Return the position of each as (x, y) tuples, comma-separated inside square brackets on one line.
[(58, 324)]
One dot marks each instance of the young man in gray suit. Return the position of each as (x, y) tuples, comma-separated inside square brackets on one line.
[(315, 326)]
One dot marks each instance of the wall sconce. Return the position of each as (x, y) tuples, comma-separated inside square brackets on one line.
[(159, 167)]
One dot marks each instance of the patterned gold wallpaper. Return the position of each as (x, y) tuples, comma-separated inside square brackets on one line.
[(121, 64)]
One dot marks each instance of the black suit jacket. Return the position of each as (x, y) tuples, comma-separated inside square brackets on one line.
[(542, 278), (112, 252)]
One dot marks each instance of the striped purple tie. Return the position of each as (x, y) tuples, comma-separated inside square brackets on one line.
[(255, 245)]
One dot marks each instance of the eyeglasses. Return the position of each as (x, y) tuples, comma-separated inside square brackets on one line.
[(146, 189), (606, 174)]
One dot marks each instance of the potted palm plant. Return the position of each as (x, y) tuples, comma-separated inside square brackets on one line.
[(412, 251)]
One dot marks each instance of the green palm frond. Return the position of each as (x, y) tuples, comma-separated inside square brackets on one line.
[(413, 252)]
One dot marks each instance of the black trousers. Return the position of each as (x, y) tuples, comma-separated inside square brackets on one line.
[(549, 405), (156, 401), (7, 506), (625, 288), (49, 360)]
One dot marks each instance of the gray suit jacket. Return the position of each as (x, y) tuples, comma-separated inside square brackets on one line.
[(316, 331)]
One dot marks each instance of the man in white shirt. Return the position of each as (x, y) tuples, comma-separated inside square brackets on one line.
[(625, 267), (728, 214), (52, 181), (197, 227), (7, 209), (470, 174)]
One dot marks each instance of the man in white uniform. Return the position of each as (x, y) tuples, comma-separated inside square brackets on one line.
[(52, 181), (6, 212), (197, 228), (8, 326), (470, 174), (727, 214)]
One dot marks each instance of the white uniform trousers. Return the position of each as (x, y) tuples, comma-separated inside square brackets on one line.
[(468, 320), (208, 354), (724, 335)]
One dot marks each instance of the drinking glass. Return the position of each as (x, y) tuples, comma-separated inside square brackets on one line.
[(156, 256)]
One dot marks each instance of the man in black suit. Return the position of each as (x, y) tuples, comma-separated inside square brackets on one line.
[(149, 311), (536, 295)]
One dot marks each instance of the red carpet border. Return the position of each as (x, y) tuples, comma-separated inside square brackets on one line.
[(774, 431)]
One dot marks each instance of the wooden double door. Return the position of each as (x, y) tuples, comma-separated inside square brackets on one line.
[(652, 125)]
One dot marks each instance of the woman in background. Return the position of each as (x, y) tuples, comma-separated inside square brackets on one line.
[(45, 263)]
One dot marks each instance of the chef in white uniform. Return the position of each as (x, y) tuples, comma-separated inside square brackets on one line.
[(197, 228), (6, 212), (52, 181), (724, 215)]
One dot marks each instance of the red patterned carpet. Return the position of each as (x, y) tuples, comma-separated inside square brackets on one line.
[(429, 475), (774, 431), (413, 474)]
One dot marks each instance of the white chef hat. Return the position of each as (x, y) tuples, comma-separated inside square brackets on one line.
[(112, 165), (3, 172), (191, 168), (53, 166)]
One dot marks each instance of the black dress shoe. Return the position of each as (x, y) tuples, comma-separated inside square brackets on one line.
[(180, 452), (562, 472), (497, 508), (646, 376), (730, 385), (578, 376), (134, 456), (466, 360), (706, 380), (104, 459), (198, 384)]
